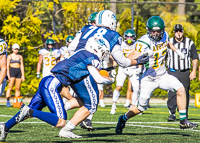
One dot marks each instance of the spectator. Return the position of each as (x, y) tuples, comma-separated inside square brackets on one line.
[(15, 72), (3, 66), (181, 68)]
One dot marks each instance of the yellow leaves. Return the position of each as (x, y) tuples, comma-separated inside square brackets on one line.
[(56, 1), (54, 36), (12, 20), (50, 6), (7, 6), (172, 19), (70, 7)]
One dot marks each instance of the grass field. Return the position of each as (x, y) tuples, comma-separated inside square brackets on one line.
[(152, 126)]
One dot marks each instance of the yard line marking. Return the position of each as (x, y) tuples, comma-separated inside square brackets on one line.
[(30, 122), (98, 122), (139, 122), (13, 115), (128, 124), (6, 115), (157, 127)]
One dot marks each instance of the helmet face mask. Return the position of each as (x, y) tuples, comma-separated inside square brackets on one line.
[(92, 18), (49, 42), (98, 46), (129, 36), (155, 28), (69, 39), (106, 18)]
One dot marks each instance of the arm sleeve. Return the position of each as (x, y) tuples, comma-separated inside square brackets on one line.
[(193, 52), (97, 77), (72, 46), (41, 52), (119, 57)]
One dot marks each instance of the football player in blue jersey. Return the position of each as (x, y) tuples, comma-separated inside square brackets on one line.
[(105, 27), (81, 72)]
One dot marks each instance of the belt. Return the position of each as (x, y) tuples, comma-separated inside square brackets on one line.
[(173, 70)]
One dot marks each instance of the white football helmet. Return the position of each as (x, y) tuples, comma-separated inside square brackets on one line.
[(98, 46), (106, 18)]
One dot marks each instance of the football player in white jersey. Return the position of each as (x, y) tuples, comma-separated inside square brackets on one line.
[(132, 72), (3, 65), (64, 53), (156, 41), (49, 56)]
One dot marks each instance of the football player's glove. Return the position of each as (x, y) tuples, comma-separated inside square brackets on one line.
[(38, 76), (142, 59), (113, 73), (182, 55)]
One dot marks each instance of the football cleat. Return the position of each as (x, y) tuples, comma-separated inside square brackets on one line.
[(113, 109), (120, 125), (102, 104), (68, 134), (8, 104), (23, 113), (127, 104), (87, 124), (3, 133), (188, 125), (171, 118)]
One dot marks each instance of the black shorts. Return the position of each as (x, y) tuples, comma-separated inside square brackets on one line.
[(15, 72)]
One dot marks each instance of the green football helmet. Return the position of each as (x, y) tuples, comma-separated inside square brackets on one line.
[(69, 39), (155, 23), (49, 42), (92, 17), (129, 33)]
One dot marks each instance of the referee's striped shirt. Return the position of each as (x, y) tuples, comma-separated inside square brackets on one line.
[(187, 47)]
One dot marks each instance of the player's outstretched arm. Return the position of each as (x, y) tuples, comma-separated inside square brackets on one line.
[(3, 67), (98, 77), (171, 46)]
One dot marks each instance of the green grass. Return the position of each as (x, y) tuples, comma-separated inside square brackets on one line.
[(147, 129)]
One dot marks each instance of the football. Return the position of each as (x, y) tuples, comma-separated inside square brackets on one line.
[(104, 73)]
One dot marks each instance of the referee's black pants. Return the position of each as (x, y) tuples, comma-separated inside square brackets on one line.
[(183, 77)]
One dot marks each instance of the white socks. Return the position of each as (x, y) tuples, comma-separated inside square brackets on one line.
[(67, 106), (101, 101), (116, 95), (69, 126), (90, 117)]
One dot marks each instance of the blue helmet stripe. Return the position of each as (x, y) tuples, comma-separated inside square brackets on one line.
[(100, 16)]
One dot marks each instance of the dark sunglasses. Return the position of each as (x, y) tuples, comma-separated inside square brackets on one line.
[(178, 31)]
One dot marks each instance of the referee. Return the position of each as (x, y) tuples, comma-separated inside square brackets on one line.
[(181, 68)]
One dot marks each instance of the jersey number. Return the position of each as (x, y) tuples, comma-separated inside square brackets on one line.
[(99, 32), (156, 56), (2, 47), (51, 61)]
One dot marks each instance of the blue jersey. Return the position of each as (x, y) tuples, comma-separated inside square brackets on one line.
[(88, 31), (74, 69)]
